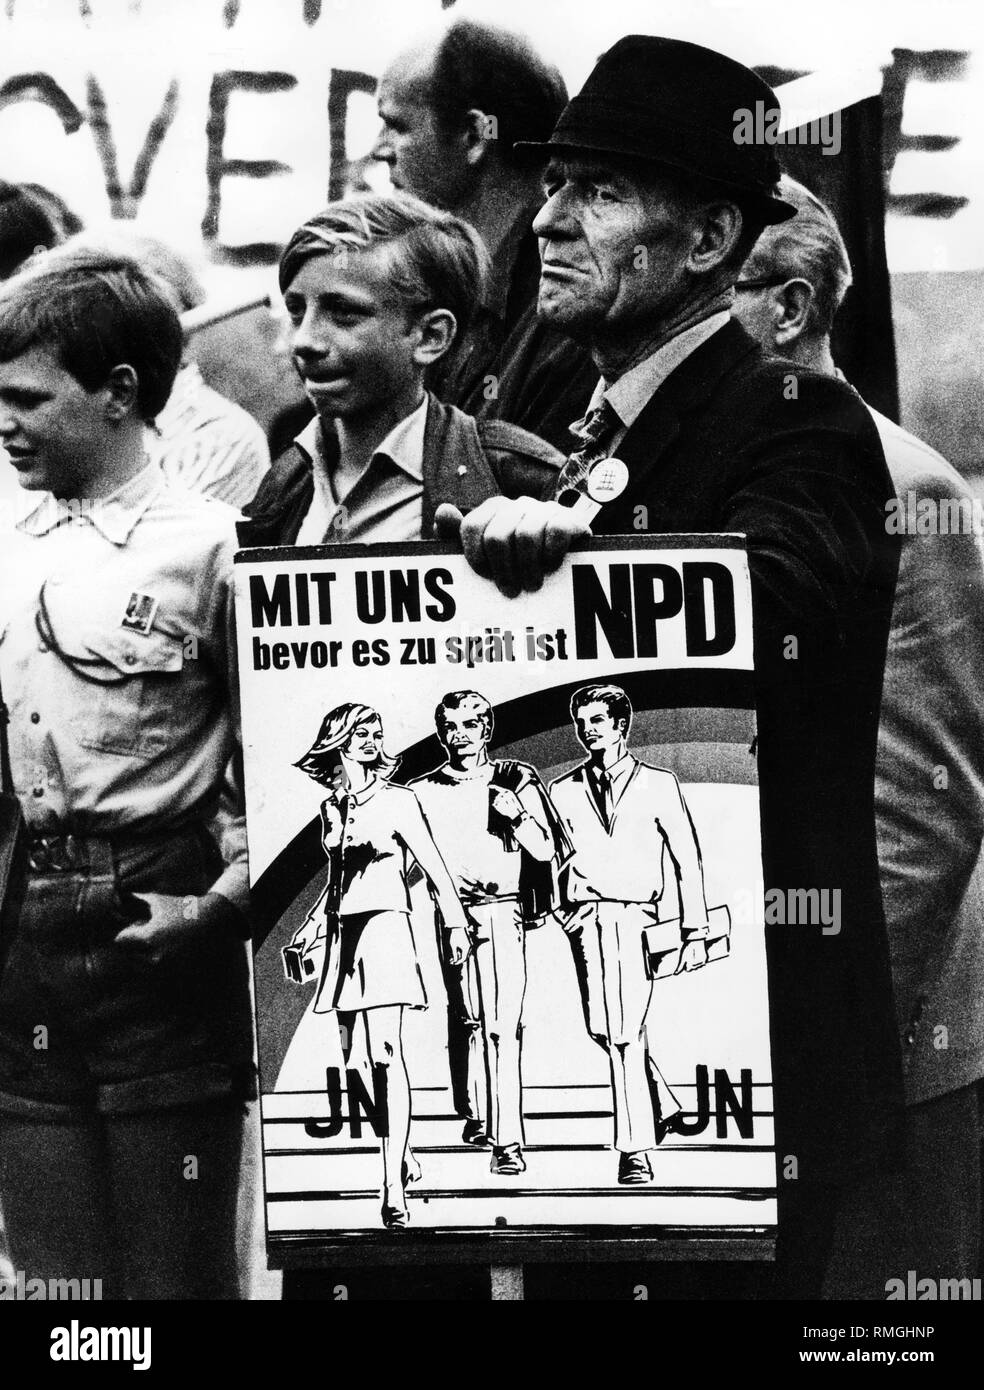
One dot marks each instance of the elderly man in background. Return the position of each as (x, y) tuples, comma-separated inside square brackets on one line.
[(452, 106), (651, 210), (929, 797)]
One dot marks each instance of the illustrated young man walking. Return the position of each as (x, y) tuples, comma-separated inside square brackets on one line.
[(626, 820), (498, 835)]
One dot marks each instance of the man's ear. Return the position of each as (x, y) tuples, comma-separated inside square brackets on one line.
[(716, 237), (121, 391), (791, 304), (435, 330), (480, 131)]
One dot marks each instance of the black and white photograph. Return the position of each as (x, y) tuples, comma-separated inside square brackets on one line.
[(518, 979), (492, 664)]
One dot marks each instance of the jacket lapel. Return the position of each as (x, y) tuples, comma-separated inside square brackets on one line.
[(455, 468), (616, 801), (646, 442), (686, 389), (589, 796), (275, 514)]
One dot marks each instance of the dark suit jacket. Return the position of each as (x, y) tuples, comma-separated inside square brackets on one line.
[(464, 463), (735, 441)]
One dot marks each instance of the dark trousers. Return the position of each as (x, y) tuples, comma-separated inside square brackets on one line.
[(926, 1218), (122, 1078)]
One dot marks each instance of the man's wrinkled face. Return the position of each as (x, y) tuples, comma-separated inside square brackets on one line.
[(422, 157), (612, 247)]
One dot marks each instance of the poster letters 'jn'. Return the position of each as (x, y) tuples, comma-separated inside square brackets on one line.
[(506, 857)]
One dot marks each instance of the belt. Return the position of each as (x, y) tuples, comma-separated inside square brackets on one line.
[(66, 853)]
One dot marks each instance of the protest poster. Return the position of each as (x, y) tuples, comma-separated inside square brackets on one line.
[(420, 753)]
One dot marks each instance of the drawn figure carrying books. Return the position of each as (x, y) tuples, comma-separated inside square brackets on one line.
[(628, 822)]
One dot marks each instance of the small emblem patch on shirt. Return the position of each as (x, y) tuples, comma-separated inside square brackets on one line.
[(139, 614)]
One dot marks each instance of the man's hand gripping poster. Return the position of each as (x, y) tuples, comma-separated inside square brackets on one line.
[(505, 854)]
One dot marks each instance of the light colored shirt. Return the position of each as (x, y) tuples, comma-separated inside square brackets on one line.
[(132, 727), (456, 805), (631, 393), (618, 775), (208, 443), (386, 501)]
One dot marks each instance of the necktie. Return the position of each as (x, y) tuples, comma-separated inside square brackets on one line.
[(596, 431), (604, 797)]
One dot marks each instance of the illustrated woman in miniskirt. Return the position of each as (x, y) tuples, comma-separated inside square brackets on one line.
[(372, 833)]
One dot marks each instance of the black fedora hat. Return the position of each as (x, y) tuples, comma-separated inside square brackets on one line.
[(678, 105)]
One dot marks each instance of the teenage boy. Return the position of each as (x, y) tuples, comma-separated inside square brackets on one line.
[(125, 1029), (377, 289)]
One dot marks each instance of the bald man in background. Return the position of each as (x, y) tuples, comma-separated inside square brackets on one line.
[(452, 107)]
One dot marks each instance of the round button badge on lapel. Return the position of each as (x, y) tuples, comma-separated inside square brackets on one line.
[(606, 480)]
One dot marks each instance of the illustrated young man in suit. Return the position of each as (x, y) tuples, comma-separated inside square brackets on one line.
[(626, 821), (498, 835), (651, 209)]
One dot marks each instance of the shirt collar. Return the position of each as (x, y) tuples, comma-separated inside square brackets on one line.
[(403, 446), (311, 443), (631, 393), (114, 516), (484, 770), (616, 770), (367, 793)]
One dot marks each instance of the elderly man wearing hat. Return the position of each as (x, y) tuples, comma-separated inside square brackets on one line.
[(651, 207)]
